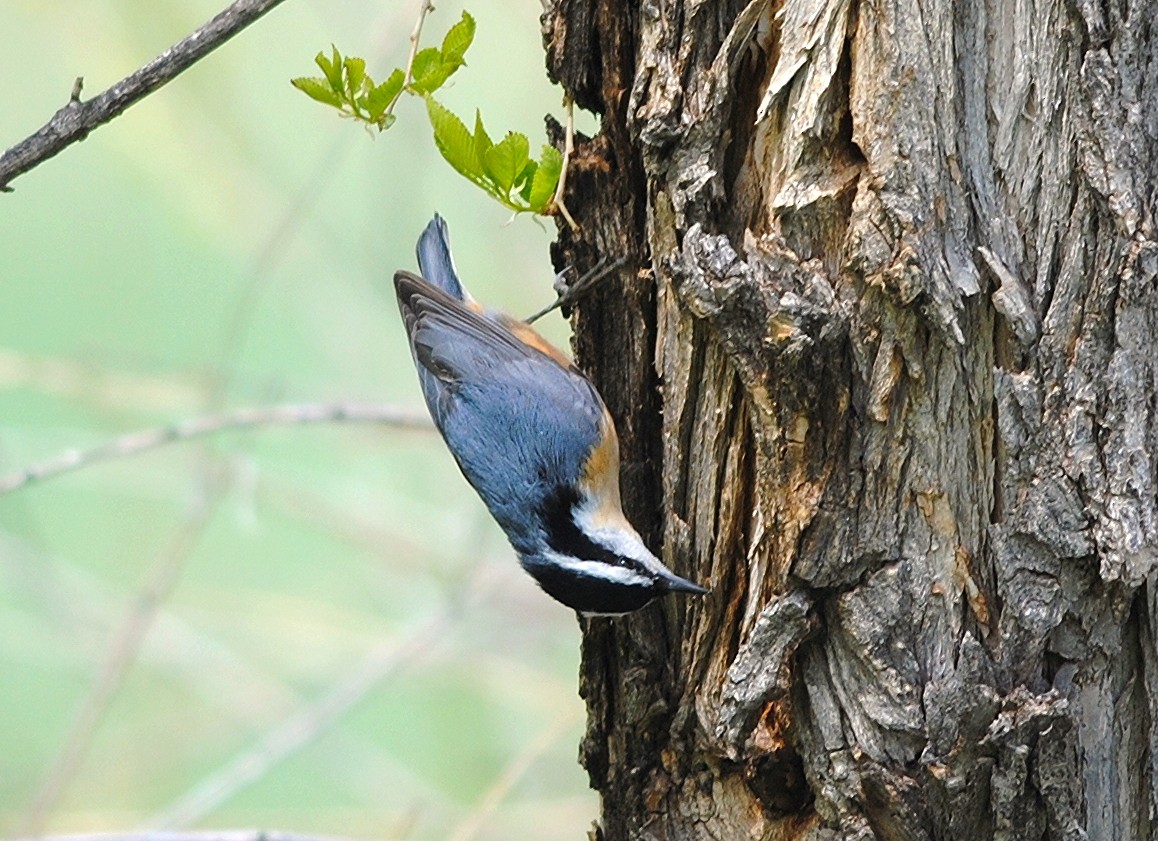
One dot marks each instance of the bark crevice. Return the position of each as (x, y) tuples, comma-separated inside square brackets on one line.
[(894, 393)]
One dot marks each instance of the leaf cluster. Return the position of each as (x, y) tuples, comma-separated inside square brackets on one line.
[(504, 170), (345, 84)]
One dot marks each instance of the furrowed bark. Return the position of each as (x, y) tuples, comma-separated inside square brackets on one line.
[(885, 370)]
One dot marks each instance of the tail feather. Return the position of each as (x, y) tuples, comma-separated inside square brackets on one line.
[(435, 262)]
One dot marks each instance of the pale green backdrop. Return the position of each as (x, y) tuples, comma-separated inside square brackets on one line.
[(230, 243)]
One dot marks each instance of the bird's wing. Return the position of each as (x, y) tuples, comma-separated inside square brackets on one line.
[(512, 415), (450, 339)]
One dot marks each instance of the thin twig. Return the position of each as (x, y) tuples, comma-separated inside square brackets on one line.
[(76, 119), (142, 441), (301, 728), (469, 827), (120, 655), (190, 835), (415, 36), (568, 150), (427, 8)]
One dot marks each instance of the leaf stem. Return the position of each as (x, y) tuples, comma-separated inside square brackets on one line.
[(415, 36), (568, 149)]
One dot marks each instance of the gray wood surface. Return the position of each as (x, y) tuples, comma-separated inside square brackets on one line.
[(885, 368)]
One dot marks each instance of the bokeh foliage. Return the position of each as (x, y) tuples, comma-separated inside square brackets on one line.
[(226, 244)]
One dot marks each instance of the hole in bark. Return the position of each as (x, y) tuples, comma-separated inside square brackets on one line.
[(778, 780)]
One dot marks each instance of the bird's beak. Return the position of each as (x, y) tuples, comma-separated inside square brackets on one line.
[(675, 584)]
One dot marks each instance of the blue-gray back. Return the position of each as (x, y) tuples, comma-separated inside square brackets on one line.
[(516, 421)]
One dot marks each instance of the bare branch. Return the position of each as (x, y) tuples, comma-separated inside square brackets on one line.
[(568, 151), (190, 835), (142, 441), (569, 293), (427, 8), (76, 119), (121, 654), (299, 729)]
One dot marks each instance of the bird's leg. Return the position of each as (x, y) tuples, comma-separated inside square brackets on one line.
[(569, 293)]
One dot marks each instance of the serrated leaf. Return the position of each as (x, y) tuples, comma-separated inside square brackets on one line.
[(454, 141), (546, 179), (458, 39), (505, 160), (331, 68), (379, 98), (324, 63), (355, 74), (527, 173), (425, 62), (317, 89), (526, 179), (434, 78), (482, 140)]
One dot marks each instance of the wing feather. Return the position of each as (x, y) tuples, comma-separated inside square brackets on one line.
[(514, 417)]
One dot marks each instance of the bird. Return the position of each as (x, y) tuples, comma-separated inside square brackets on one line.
[(533, 438)]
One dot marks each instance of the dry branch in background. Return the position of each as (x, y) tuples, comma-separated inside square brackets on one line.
[(289, 735), (126, 642), (121, 653), (135, 443), (77, 118), (192, 835)]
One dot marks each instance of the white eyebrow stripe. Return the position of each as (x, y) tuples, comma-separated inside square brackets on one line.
[(623, 540), (598, 569)]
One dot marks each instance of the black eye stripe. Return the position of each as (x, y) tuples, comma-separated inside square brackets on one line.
[(566, 538)]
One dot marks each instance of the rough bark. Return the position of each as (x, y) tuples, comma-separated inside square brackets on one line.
[(885, 371)]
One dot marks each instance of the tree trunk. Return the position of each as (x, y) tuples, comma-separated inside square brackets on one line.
[(884, 369)]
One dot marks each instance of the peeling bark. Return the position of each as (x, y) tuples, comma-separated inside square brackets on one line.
[(885, 370)]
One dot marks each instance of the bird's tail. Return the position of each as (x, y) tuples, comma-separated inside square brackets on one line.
[(435, 262)]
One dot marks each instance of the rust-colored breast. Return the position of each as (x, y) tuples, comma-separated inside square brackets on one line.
[(601, 476)]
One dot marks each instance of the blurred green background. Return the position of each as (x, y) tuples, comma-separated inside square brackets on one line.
[(343, 642)]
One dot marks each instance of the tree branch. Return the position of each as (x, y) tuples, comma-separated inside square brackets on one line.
[(289, 735), (191, 835), (141, 441), (120, 655), (76, 119)]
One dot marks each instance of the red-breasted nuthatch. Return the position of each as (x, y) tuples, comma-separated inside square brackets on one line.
[(532, 436)]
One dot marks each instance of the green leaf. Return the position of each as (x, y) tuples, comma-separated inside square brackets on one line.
[(379, 98), (458, 39), (317, 89), (451, 57), (454, 141), (505, 160), (546, 179), (355, 74), (435, 78), (526, 179), (324, 63), (426, 63), (482, 140), (331, 68)]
